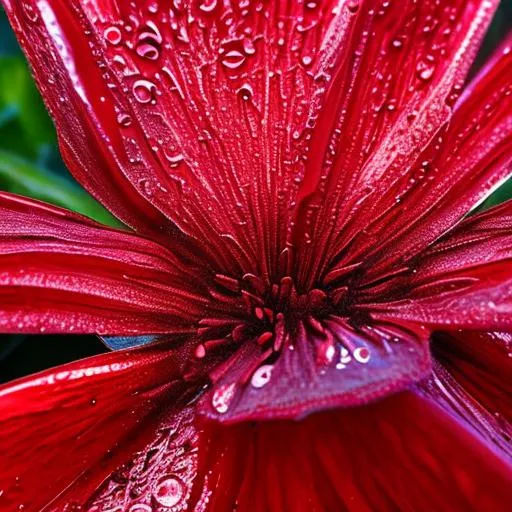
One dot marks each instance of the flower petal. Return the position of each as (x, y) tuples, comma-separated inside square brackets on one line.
[(60, 272), (58, 52), (338, 367), (391, 92), (192, 107), (456, 172), (472, 379), (57, 426), (403, 452), (462, 281)]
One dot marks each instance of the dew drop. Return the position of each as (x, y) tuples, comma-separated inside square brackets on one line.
[(248, 46), (362, 355), (169, 491), (173, 157), (112, 35), (222, 397), (233, 59), (144, 91), (146, 187), (30, 13), (424, 71), (261, 377), (147, 51), (345, 356), (245, 92), (307, 60), (140, 507), (397, 43), (124, 119), (353, 6), (208, 5)]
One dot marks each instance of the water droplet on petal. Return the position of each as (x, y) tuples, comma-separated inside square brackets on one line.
[(307, 60), (233, 59), (30, 13), (424, 71), (144, 91), (169, 491), (345, 357), (174, 158), (353, 5), (245, 92), (248, 46), (397, 43), (147, 51), (140, 507), (261, 377), (124, 119), (362, 355), (222, 397), (208, 5), (112, 35)]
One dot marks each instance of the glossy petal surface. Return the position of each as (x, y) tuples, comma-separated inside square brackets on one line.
[(390, 96), (472, 379), (464, 280), (58, 425), (337, 367), (186, 109), (403, 452), (60, 272), (458, 169), (303, 160)]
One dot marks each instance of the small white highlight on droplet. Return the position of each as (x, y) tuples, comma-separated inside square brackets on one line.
[(169, 491), (222, 397), (329, 353), (345, 357), (261, 377), (362, 355)]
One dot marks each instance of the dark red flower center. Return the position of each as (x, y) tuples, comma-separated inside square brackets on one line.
[(275, 345)]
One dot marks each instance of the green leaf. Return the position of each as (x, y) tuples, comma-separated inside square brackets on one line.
[(25, 126), (8, 43), (22, 177)]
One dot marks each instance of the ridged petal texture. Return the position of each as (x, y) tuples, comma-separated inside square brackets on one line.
[(67, 424), (404, 453), (242, 123), (294, 176), (60, 272), (464, 280)]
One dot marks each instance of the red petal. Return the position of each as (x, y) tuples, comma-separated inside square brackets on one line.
[(458, 170), (193, 108), (341, 367), (472, 380), (389, 95), (402, 453), (61, 272), (464, 280), (58, 52), (58, 425)]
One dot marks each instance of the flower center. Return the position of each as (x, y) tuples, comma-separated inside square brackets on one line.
[(274, 318), (277, 348)]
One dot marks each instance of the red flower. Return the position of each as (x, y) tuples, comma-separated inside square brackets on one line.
[(294, 175)]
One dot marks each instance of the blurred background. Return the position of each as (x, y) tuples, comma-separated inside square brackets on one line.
[(30, 164)]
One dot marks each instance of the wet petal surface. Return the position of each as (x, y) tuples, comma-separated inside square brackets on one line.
[(403, 452), (61, 272)]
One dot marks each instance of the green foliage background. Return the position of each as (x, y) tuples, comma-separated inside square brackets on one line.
[(30, 164)]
